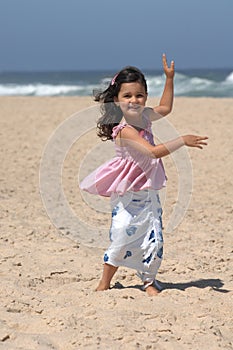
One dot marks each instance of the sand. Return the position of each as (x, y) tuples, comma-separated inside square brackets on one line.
[(48, 276)]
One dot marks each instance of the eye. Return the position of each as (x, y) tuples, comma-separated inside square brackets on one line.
[(127, 96)]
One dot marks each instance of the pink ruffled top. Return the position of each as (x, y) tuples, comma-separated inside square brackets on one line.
[(129, 170)]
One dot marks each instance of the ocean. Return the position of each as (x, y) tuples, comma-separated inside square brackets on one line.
[(193, 83)]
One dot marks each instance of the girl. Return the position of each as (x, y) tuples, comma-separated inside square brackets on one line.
[(132, 179)]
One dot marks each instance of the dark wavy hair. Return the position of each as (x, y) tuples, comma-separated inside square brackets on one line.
[(111, 113)]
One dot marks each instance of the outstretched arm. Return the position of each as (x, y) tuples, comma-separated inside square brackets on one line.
[(166, 101), (129, 136)]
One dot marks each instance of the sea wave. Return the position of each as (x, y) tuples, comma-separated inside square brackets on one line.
[(229, 78), (193, 86), (44, 90), (185, 85)]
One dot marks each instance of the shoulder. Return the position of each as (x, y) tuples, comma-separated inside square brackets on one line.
[(121, 129), (128, 133), (129, 130), (117, 129), (151, 114)]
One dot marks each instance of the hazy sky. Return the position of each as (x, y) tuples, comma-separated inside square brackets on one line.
[(105, 34)]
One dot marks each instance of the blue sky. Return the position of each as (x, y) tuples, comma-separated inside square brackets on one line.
[(105, 34)]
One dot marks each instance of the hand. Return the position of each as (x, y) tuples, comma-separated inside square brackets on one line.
[(195, 141), (169, 71)]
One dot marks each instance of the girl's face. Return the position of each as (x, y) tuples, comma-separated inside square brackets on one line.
[(131, 98)]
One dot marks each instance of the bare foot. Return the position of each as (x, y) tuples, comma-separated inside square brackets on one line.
[(108, 273), (102, 286), (152, 291)]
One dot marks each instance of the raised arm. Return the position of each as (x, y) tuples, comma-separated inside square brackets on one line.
[(166, 101)]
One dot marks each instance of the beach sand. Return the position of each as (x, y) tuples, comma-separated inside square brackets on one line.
[(48, 276)]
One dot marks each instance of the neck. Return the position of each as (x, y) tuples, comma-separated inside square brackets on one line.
[(137, 123)]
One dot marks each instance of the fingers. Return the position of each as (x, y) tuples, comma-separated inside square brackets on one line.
[(201, 138), (199, 142), (165, 66), (169, 71), (195, 141), (164, 58), (172, 66)]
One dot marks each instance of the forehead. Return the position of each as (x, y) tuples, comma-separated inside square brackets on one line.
[(132, 87)]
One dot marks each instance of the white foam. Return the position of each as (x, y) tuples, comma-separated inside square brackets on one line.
[(43, 90), (184, 86), (229, 78)]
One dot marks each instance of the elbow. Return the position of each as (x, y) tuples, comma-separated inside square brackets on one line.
[(167, 110)]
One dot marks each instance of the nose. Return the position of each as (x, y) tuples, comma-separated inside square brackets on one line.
[(133, 99)]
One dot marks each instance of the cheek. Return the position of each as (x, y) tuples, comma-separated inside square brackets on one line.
[(123, 105), (144, 100)]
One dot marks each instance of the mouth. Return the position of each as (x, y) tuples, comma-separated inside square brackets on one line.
[(134, 107)]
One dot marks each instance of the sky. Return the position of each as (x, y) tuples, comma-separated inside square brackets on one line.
[(103, 34)]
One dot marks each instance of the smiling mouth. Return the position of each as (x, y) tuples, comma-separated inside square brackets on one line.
[(134, 108)]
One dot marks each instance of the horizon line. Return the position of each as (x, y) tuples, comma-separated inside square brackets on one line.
[(95, 70)]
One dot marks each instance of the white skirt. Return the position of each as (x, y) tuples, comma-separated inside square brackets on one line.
[(136, 233)]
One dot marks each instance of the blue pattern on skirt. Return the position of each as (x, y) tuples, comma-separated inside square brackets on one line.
[(136, 233)]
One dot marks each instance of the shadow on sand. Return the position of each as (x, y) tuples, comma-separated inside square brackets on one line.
[(215, 283)]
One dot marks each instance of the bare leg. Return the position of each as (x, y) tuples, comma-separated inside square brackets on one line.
[(108, 273)]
